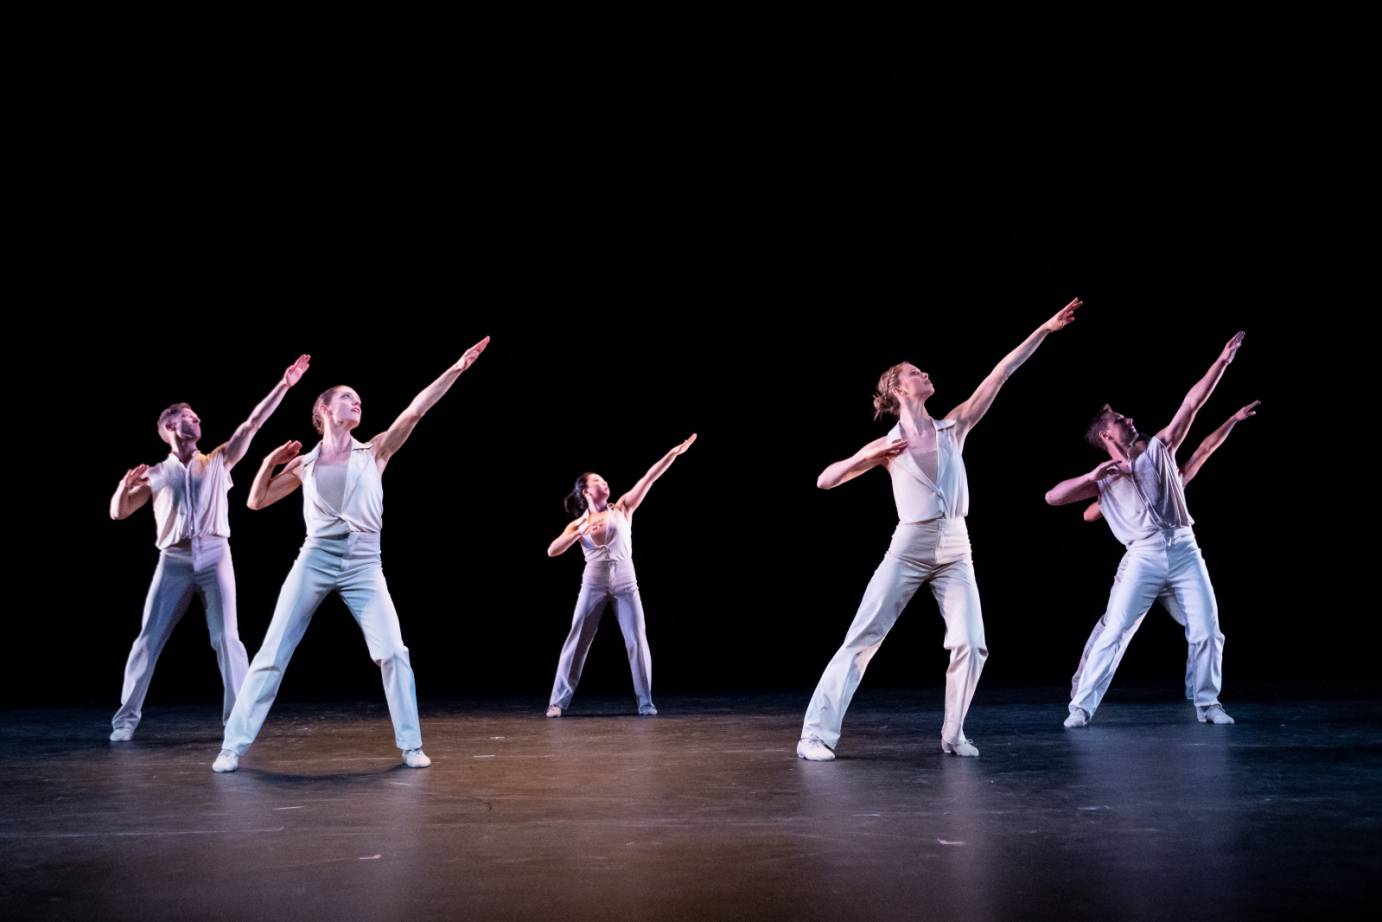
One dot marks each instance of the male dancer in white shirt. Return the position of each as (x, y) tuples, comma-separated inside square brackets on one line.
[(1167, 598), (1143, 500), (188, 490)]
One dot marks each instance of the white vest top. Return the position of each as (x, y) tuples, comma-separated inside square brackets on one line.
[(618, 539), (918, 497), (362, 510)]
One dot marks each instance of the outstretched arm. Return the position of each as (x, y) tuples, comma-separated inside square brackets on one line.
[(239, 443), (392, 439), (968, 414), (1176, 430), (634, 497)]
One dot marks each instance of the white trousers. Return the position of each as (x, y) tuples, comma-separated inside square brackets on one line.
[(351, 566), (201, 567), (602, 583), (1166, 562), (1167, 600), (935, 553)]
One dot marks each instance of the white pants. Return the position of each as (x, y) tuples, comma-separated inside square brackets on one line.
[(1167, 600), (936, 553), (201, 567), (351, 566), (602, 583), (1166, 562)]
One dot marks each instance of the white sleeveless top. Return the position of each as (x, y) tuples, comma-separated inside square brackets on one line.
[(918, 497), (362, 509), (618, 539)]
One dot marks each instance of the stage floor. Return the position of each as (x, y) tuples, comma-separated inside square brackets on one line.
[(702, 812)]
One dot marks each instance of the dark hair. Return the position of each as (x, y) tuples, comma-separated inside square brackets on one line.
[(575, 500)]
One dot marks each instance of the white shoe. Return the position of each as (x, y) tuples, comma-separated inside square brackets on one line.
[(813, 750), (122, 734), (227, 761), (1078, 718), (416, 758), (647, 710), (1214, 714), (960, 747), (554, 711)]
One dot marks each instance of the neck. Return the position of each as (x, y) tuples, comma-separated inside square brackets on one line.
[(184, 450), (913, 416), (336, 440)]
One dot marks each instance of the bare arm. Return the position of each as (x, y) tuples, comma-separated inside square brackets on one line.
[(268, 489), (1085, 486), (569, 537), (1176, 430), (878, 452), (131, 493), (239, 443), (1192, 467), (634, 497), (1212, 442), (391, 440), (968, 414)]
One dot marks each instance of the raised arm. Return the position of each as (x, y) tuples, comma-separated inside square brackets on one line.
[(1175, 431), (968, 414), (239, 443), (387, 443), (631, 500), (1212, 442)]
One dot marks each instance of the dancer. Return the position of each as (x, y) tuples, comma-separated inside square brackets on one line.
[(931, 544), (188, 490), (343, 504), (1143, 500), (605, 534), (1167, 598)]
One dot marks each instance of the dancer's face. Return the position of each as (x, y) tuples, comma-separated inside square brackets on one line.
[(596, 489), (186, 426), (1120, 430), (913, 383), (343, 409)]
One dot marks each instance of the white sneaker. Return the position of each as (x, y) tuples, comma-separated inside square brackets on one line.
[(1214, 714), (554, 711), (647, 710), (227, 761), (813, 750), (1078, 718), (416, 758), (122, 734), (960, 747)]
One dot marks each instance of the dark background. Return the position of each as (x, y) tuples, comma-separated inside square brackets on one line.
[(721, 222)]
